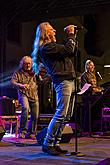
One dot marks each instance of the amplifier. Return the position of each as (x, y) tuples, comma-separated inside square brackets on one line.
[(106, 112)]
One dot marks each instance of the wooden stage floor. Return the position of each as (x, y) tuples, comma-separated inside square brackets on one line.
[(94, 151)]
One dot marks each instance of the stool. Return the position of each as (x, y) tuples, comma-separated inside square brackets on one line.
[(11, 120)]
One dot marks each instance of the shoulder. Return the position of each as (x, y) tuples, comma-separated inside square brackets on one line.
[(83, 74), (18, 72)]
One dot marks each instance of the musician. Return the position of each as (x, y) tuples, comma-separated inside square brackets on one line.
[(89, 77), (26, 82), (45, 91)]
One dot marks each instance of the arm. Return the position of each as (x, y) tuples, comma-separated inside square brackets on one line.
[(16, 83), (45, 79), (57, 50), (83, 80), (54, 49)]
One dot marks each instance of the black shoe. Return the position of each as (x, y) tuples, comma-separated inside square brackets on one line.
[(30, 136), (57, 148), (50, 150)]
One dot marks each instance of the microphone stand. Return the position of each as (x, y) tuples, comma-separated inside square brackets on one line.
[(78, 154)]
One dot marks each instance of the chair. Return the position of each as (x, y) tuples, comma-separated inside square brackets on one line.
[(8, 113)]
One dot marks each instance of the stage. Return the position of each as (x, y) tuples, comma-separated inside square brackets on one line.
[(17, 151)]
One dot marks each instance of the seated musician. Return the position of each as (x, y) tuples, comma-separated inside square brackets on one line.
[(88, 77)]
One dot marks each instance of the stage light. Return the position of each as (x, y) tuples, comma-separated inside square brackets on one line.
[(106, 66)]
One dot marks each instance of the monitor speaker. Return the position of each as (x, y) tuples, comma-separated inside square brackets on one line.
[(7, 107), (66, 135)]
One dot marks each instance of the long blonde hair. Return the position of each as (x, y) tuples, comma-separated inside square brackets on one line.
[(41, 38)]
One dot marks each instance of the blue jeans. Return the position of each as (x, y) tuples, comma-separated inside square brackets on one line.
[(33, 108), (64, 110)]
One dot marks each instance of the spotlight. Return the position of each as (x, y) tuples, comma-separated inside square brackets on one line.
[(106, 66)]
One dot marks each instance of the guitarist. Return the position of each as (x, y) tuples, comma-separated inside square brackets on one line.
[(26, 81)]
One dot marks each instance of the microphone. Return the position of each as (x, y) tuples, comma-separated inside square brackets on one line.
[(78, 27), (75, 27), (99, 75)]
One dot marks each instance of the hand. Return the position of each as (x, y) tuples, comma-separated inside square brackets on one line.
[(24, 86), (70, 29), (97, 89)]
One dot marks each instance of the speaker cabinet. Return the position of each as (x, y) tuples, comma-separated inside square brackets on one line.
[(66, 135), (7, 107)]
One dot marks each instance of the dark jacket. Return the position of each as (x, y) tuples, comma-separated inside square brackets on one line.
[(90, 78), (57, 59)]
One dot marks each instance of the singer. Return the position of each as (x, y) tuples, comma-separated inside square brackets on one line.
[(57, 59), (89, 77)]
